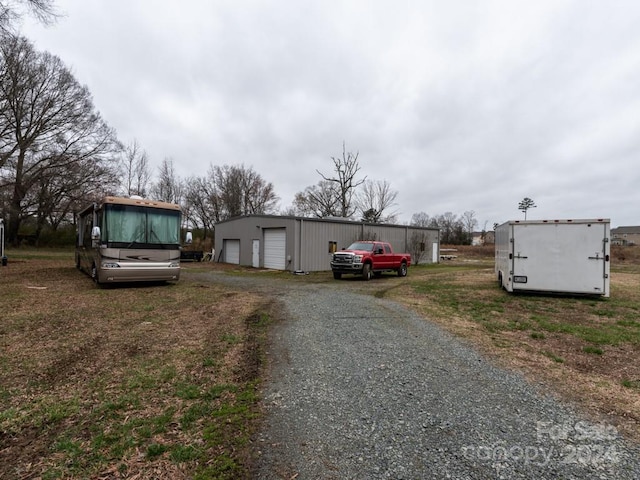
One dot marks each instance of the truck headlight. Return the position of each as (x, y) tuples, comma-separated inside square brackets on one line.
[(357, 258), (110, 265)]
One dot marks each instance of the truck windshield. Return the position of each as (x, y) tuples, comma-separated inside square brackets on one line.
[(127, 225), (361, 246)]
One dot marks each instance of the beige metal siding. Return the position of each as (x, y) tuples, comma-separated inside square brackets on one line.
[(314, 242), (307, 240)]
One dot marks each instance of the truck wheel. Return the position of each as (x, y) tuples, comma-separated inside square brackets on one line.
[(366, 271), (337, 275), (94, 274), (402, 271)]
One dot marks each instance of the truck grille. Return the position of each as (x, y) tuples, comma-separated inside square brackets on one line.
[(341, 258)]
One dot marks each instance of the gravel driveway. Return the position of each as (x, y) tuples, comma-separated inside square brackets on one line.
[(364, 388)]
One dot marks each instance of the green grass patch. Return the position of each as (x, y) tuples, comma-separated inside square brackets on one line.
[(633, 384), (593, 350), (457, 290), (231, 339), (155, 450), (187, 391), (185, 453), (552, 356)]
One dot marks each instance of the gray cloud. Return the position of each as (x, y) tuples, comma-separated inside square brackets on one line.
[(471, 106)]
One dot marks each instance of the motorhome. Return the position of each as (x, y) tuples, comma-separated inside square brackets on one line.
[(129, 240)]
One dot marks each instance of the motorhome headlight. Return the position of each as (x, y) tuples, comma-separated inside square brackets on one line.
[(174, 265), (110, 265)]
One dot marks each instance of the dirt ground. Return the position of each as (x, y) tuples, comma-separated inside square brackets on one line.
[(142, 381)]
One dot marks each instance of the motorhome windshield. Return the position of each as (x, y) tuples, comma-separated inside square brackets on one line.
[(129, 226)]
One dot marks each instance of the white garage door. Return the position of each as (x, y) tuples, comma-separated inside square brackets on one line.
[(232, 251), (275, 243)]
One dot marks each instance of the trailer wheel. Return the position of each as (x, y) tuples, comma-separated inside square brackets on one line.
[(366, 271), (500, 281), (337, 275), (402, 271)]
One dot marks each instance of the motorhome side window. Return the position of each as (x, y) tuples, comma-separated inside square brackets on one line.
[(86, 232)]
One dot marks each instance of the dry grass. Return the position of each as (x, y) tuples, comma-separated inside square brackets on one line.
[(584, 349), (147, 381), (160, 381)]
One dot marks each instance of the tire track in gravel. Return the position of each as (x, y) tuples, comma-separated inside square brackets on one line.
[(364, 388)]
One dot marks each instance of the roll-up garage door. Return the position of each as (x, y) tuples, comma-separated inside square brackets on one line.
[(232, 251), (275, 243)]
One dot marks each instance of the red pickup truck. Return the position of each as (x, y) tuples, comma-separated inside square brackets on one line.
[(369, 258)]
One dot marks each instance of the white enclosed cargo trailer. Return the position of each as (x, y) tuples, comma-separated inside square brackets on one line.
[(556, 256)]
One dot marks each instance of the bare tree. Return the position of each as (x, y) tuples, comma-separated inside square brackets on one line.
[(421, 219), (12, 11), (258, 195), (417, 246), (470, 223), (168, 188), (374, 200), (320, 201), (48, 124), (346, 169), (58, 194), (135, 166), (483, 233), (230, 191), (228, 182), (446, 224), (198, 203), (452, 230), (418, 239)]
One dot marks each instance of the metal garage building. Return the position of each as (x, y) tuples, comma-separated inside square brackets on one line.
[(306, 244)]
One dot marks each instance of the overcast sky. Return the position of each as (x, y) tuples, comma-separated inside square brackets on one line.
[(459, 105)]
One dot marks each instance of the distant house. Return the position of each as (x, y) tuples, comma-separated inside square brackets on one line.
[(483, 238), (625, 236)]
